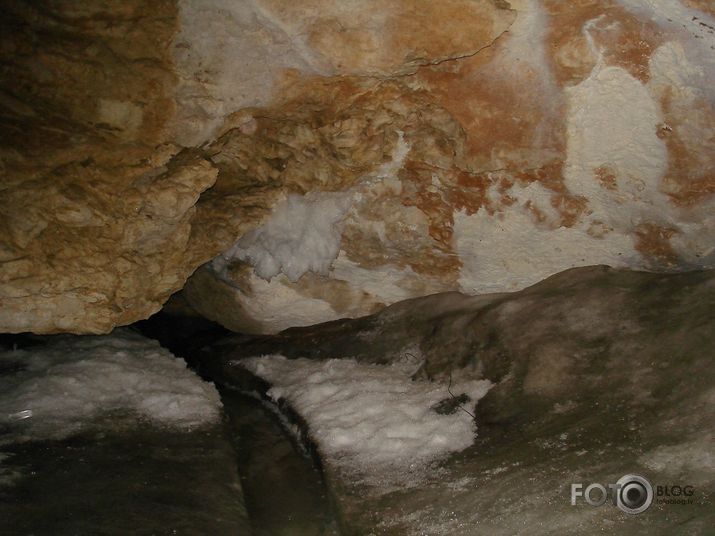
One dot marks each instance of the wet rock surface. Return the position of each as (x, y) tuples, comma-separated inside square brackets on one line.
[(138, 480), (284, 493), (598, 373), (82, 458)]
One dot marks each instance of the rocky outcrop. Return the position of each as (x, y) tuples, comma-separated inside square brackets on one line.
[(96, 210), (563, 144), (597, 373), (99, 222), (473, 146)]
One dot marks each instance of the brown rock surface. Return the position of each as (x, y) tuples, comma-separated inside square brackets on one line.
[(550, 149), (473, 146)]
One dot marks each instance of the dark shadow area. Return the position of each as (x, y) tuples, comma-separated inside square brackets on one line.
[(138, 480), (280, 471)]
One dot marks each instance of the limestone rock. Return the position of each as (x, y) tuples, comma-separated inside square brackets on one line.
[(476, 146), (571, 141), (233, 55), (94, 258)]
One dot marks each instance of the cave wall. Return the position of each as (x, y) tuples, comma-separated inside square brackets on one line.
[(332, 158)]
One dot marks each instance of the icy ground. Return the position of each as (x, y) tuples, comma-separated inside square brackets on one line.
[(72, 383), (372, 421), (112, 435)]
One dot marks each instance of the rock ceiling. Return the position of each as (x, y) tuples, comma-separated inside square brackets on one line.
[(468, 145)]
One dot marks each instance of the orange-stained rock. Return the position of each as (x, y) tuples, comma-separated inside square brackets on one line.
[(397, 37), (703, 5), (580, 30), (341, 156)]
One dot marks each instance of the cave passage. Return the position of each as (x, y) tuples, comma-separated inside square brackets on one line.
[(284, 492), (282, 483), (319, 267)]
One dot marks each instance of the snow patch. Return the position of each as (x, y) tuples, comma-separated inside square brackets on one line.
[(70, 383), (372, 421)]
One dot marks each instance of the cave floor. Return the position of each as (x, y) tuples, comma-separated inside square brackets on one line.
[(244, 476), (283, 490), (78, 458), (596, 374), (136, 480)]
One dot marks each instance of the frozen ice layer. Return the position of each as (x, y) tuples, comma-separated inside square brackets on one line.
[(70, 383), (372, 420)]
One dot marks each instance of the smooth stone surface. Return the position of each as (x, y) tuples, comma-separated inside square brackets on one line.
[(137, 480)]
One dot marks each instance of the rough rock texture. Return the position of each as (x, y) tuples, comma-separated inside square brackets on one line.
[(478, 146), (570, 141), (274, 39), (96, 205), (598, 373)]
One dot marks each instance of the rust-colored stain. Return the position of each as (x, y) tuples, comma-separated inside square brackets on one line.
[(536, 212), (653, 242), (463, 191), (417, 181), (549, 175), (606, 177), (470, 192), (598, 229), (391, 37), (706, 6), (570, 207), (690, 177), (431, 29), (625, 40), (500, 116), (459, 118)]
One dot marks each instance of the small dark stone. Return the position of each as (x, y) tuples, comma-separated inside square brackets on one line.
[(451, 404)]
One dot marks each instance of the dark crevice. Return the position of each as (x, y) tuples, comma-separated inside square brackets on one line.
[(280, 469)]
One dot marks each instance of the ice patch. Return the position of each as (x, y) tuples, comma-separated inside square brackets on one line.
[(71, 382), (369, 420), (303, 234)]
